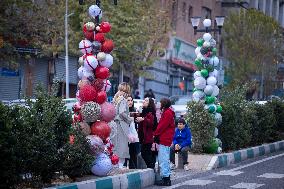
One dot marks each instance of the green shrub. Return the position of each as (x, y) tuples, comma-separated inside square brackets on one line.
[(37, 142), (202, 125), (278, 108), (235, 130)]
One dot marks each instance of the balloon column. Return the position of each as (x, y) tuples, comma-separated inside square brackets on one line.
[(92, 111), (205, 79)]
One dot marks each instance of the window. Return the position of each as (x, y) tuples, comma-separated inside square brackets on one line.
[(206, 13), (190, 13), (183, 11)]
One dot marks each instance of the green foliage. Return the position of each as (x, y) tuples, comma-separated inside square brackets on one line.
[(202, 125), (254, 44), (36, 141), (235, 130), (277, 106)]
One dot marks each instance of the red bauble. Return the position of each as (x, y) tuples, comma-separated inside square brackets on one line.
[(105, 27), (98, 84), (101, 97), (87, 93), (114, 159), (77, 118), (101, 129), (88, 34), (107, 46), (100, 37), (102, 72)]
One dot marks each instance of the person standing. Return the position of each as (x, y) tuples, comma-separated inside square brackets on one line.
[(163, 135), (147, 123), (123, 120)]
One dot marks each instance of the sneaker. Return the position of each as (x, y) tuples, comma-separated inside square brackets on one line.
[(186, 167), (172, 166)]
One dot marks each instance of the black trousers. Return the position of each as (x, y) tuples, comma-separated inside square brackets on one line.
[(148, 156), (134, 149), (183, 151)]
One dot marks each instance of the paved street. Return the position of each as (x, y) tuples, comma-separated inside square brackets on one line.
[(263, 173)]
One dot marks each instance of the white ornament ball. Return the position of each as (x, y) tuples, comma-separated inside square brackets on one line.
[(200, 56), (206, 22), (211, 80), (218, 118), (197, 50), (214, 61), (101, 56), (214, 73), (197, 95), (200, 83), (206, 44), (86, 46), (219, 150), (208, 90), (90, 63), (96, 144), (102, 165), (98, 28), (81, 60), (207, 37), (107, 85), (197, 74), (215, 90), (88, 74), (108, 61), (80, 72), (90, 26), (216, 132), (94, 11)]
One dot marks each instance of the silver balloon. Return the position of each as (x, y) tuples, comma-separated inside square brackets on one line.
[(218, 118), (208, 90), (215, 132), (212, 42), (102, 165)]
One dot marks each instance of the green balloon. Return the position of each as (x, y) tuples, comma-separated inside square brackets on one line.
[(210, 100), (214, 51), (200, 42), (198, 63), (204, 73), (211, 109), (219, 109)]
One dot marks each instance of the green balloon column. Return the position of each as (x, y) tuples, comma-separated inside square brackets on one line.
[(205, 82)]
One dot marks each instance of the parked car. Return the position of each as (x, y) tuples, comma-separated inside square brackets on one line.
[(179, 105)]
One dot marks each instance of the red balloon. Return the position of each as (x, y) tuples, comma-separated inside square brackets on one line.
[(114, 159), (102, 72), (101, 97), (101, 129), (100, 37), (107, 46), (105, 27), (88, 34), (87, 93), (98, 84)]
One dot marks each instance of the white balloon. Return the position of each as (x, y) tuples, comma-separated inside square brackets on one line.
[(214, 61), (108, 61), (101, 56), (80, 72), (206, 44), (218, 118), (214, 73), (86, 46), (197, 74), (207, 36), (208, 90), (87, 74), (102, 165), (90, 63), (211, 80), (94, 11), (200, 83), (197, 95), (216, 132), (215, 90), (207, 22), (197, 50), (200, 56), (219, 150), (107, 85)]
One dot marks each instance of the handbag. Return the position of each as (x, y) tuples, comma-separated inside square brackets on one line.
[(133, 135)]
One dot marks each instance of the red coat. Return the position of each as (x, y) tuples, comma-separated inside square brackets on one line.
[(145, 129), (166, 127)]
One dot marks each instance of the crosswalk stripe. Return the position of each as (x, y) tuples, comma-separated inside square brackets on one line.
[(247, 185), (193, 182), (272, 175)]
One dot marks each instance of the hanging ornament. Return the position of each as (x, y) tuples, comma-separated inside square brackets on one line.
[(101, 129), (200, 42), (80, 72), (208, 90), (211, 109), (200, 83), (207, 36), (204, 73), (197, 50), (98, 84), (106, 85), (96, 46), (86, 46), (81, 61), (211, 80), (105, 27), (219, 109), (214, 73), (114, 159), (90, 111), (90, 63), (197, 74), (101, 56), (215, 90), (95, 11), (214, 51), (206, 44), (85, 128), (107, 46), (101, 97), (96, 143), (88, 30), (209, 99), (100, 37), (107, 62), (197, 95), (102, 165), (102, 72), (87, 93), (107, 112)]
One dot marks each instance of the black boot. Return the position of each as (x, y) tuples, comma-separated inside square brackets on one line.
[(166, 181)]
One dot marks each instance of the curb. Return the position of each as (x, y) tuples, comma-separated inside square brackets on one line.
[(224, 160), (133, 180)]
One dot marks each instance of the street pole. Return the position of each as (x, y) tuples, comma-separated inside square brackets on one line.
[(66, 50)]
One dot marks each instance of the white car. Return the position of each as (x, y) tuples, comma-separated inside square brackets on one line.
[(179, 105)]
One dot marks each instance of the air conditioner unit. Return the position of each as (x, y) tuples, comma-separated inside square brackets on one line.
[(162, 53)]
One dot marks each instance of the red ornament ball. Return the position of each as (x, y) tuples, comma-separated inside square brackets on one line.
[(101, 129), (101, 97), (87, 93), (105, 27), (102, 72), (88, 34), (100, 37), (98, 84), (107, 46), (114, 159)]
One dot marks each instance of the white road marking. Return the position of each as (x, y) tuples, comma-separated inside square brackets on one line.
[(247, 185), (193, 182), (229, 173), (272, 175)]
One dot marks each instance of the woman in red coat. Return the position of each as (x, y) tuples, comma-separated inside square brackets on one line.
[(164, 135), (147, 124)]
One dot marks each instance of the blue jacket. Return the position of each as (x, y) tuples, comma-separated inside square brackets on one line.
[(183, 137)]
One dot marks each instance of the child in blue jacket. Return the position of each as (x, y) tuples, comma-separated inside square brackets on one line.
[(181, 143)]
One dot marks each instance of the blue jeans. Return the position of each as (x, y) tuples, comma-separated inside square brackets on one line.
[(164, 160)]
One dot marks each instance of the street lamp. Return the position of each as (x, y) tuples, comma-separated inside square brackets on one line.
[(207, 23)]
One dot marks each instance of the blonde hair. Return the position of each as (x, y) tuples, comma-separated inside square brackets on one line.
[(124, 87)]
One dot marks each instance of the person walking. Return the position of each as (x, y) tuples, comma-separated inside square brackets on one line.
[(181, 144), (147, 124), (163, 135), (123, 120)]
